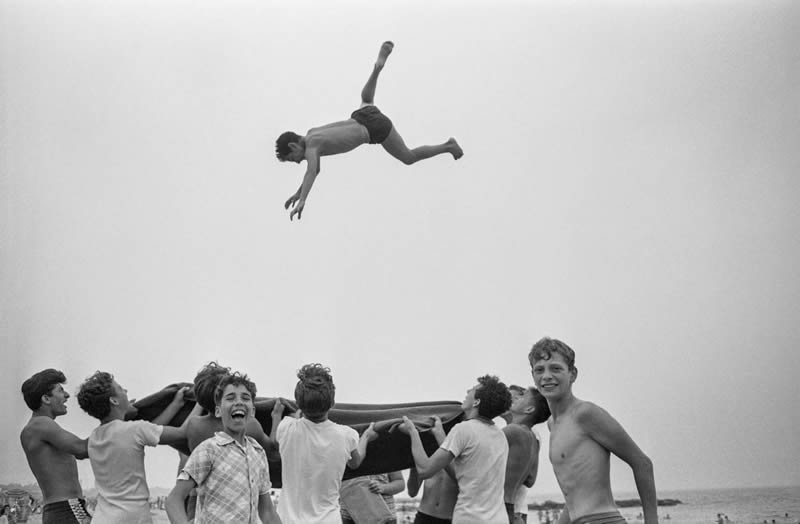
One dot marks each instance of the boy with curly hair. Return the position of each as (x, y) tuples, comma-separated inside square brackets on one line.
[(116, 449), (582, 438), (366, 125), (315, 451), (478, 450), (230, 469)]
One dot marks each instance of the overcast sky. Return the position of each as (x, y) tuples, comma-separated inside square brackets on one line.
[(629, 185)]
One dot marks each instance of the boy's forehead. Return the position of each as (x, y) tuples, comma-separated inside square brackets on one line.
[(235, 388), (553, 358)]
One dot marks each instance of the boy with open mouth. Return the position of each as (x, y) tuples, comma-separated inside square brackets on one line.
[(230, 469)]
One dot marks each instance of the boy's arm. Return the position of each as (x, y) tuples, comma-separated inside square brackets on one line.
[(357, 457), (312, 170), (172, 409), (393, 487), (519, 450), (61, 439), (609, 433), (426, 466), (176, 511), (530, 480), (414, 483), (173, 435), (266, 511)]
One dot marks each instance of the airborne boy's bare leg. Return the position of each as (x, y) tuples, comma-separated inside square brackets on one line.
[(368, 93)]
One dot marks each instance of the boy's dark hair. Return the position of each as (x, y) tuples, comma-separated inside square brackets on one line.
[(41, 383), (282, 144), (546, 347), (541, 408), (94, 394), (234, 379), (495, 399), (206, 382), (314, 392)]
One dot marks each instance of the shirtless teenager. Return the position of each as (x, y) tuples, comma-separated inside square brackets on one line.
[(528, 408), (582, 438), (440, 491), (51, 451), (365, 125)]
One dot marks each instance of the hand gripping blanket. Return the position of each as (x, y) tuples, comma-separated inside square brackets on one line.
[(391, 451)]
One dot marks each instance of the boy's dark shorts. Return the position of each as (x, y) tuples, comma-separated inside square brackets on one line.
[(72, 511), (378, 125)]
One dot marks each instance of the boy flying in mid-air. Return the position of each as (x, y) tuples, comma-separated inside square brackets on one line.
[(365, 125)]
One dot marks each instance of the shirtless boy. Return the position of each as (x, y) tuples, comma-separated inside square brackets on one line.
[(440, 491), (365, 125), (478, 451), (582, 438), (528, 408), (51, 450)]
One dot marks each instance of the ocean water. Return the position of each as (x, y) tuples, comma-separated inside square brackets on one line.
[(740, 505)]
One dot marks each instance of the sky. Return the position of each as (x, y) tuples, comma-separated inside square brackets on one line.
[(629, 186)]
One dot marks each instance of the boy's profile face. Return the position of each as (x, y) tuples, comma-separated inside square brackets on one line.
[(552, 376), (235, 408), (58, 400), (469, 400), (121, 395), (521, 401)]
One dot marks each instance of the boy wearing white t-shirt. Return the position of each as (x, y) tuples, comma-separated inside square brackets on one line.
[(478, 450), (116, 449), (314, 451)]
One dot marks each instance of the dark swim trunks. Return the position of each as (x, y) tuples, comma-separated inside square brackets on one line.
[(612, 517), (72, 511), (378, 125), (423, 518)]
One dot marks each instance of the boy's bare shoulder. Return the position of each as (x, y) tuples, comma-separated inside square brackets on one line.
[(583, 410)]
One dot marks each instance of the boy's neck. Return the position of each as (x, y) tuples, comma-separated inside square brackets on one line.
[(115, 414), (561, 405), (238, 436), (316, 419), (523, 419)]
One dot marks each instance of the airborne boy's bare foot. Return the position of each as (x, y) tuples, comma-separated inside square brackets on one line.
[(455, 149), (383, 54)]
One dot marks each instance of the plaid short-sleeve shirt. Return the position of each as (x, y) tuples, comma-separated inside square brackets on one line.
[(229, 477)]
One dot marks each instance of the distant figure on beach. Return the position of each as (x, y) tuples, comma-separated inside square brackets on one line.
[(229, 470), (314, 451), (528, 408), (116, 449), (440, 491), (478, 450), (51, 450), (582, 438), (365, 125)]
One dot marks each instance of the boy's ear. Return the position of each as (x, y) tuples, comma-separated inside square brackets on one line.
[(294, 146), (113, 401), (217, 412), (574, 374)]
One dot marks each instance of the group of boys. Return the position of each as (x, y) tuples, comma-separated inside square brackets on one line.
[(479, 473)]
